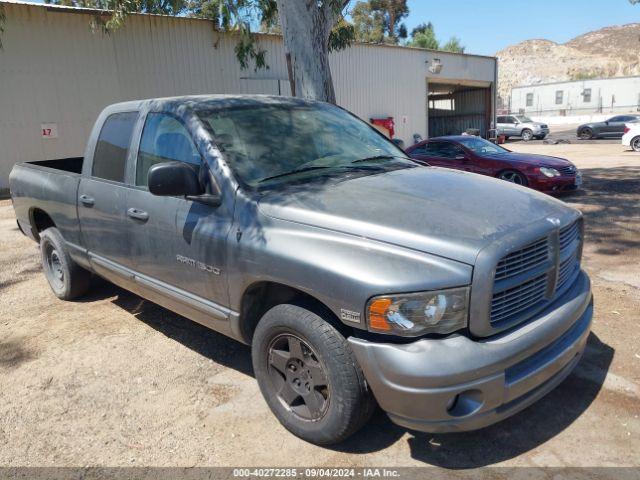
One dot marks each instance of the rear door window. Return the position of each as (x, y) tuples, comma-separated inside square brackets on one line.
[(110, 156), (164, 139)]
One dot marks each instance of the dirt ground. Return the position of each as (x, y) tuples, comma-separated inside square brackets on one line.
[(115, 380)]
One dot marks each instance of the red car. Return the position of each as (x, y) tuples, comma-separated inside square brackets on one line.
[(474, 154)]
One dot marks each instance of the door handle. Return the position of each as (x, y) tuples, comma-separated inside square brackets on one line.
[(87, 200), (138, 214)]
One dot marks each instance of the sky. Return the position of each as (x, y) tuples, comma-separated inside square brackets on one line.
[(487, 27)]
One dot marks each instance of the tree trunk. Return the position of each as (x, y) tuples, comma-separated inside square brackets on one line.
[(306, 26)]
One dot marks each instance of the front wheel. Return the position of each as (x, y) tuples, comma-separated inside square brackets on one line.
[(527, 135), (309, 376), (513, 177), (635, 144)]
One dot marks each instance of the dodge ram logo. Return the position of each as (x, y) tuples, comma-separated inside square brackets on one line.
[(199, 265)]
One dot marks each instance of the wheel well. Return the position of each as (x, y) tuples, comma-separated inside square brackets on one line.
[(262, 296), (40, 221)]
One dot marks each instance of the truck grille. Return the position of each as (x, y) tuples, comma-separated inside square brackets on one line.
[(524, 259), (570, 170), (568, 235), (514, 301), (539, 279)]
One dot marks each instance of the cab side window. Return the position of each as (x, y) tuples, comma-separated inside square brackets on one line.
[(164, 139), (110, 155)]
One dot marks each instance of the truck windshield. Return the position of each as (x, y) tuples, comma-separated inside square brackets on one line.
[(268, 144)]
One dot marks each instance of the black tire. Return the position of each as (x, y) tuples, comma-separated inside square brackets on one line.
[(513, 176), (586, 134), (66, 278), (330, 400), (635, 144), (527, 135)]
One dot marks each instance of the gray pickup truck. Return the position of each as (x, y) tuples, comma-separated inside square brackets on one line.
[(358, 277)]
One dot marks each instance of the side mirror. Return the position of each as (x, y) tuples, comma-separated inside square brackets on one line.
[(178, 179)]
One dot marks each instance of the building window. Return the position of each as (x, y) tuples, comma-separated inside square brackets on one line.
[(559, 97), (587, 95), (529, 99)]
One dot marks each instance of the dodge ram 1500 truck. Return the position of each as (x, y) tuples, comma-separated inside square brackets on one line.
[(451, 299)]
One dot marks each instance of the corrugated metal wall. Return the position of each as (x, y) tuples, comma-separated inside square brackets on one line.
[(53, 69)]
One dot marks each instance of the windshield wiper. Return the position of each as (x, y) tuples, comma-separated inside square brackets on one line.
[(338, 167), (378, 157), (293, 172)]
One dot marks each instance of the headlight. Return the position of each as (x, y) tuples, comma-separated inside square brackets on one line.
[(549, 172), (415, 314)]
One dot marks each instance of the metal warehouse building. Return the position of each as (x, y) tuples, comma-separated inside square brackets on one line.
[(56, 75), (584, 97)]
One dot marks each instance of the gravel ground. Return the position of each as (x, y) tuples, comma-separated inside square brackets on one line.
[(115, 380)]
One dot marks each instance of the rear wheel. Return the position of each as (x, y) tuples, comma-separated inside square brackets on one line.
[(635, 144), (513, 177), (309, 376), (66, 278), (586, 134), (527, 135)]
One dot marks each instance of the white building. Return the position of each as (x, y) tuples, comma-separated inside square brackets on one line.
[(56, 75), (580, 98)]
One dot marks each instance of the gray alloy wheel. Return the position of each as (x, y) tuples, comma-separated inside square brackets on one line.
[(513, 177), (635, 144), (527, 135), (309, 375), (586, 134), (299, 376)]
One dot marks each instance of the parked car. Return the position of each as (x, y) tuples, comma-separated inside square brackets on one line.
[(521, 126), (474, 154), (612, 128), (356, 275), (631, 137)]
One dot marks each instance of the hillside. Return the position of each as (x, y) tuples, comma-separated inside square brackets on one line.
[(609, 52)]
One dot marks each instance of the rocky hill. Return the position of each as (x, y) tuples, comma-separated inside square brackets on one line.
[(609, 52)]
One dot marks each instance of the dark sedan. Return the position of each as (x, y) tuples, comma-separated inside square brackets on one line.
[(474, 154), (612, 128)]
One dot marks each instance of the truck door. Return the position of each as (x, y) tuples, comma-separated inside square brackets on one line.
[(102, 193), (175, 241)]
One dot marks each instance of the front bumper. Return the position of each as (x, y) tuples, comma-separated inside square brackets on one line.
[(458, 384), (555, 184)]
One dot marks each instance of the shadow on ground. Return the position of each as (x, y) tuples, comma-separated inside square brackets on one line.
[(503, 441), (610, 201)]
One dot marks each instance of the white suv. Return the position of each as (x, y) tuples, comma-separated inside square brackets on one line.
[(631, 137)]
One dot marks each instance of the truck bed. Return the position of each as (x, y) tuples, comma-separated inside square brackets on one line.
[(71, 164), (49, 186)]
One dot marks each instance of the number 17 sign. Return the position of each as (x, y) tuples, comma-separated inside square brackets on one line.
[(49, 130)]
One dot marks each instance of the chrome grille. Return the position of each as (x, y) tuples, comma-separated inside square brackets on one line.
[(568, 235), (524, 279), (522, 260), (566, 271), (515, 300), (570, 170)]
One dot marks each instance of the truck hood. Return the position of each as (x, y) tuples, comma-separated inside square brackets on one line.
[(443, 212)]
